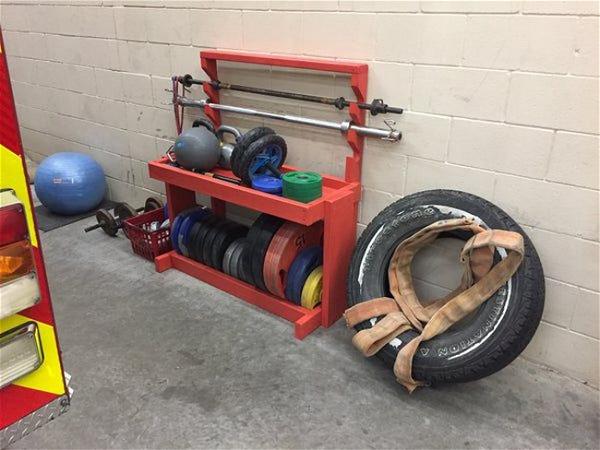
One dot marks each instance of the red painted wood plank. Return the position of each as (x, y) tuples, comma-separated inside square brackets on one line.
[(328, 65), (246, 292)]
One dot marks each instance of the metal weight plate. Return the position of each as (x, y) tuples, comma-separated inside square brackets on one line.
[(185, 227), (124, 211), (108, 223), (236, 263), (153, 203), (244, 275), (209, 239), (232, 232), (289, 240), (198, 244), (312, 289), (259, 237), (227, 256), (306, 261)]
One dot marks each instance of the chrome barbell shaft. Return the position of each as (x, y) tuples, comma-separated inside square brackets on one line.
[(390, 135)]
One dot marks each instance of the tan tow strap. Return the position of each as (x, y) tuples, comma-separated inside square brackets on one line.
[(404, 312)]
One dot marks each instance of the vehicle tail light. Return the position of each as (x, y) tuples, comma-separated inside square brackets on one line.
[(20, 352), (19, 294), (13, 224), (15, 261)]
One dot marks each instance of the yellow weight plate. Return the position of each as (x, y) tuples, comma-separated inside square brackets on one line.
[(312, 289)]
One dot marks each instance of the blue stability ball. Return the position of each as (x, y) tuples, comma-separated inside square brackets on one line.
[(70, 183)]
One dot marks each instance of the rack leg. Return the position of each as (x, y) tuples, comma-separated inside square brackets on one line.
[(339, 240), (179, 199), (163, 262), (218, 206), (307, 323)]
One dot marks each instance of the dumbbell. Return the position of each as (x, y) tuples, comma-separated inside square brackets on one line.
[(111, 224)]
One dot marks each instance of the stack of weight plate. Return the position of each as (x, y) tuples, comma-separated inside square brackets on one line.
[(280, 257), (302, 186), (204, 237)]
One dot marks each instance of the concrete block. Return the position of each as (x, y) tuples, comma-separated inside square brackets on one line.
[(160, 97), (186, 60), (567, 258), (279, 32), (505, 148), (532, 43), (92, 21), (378, 6), (384, 171), (15, 17), (560, 302), (471, 7), (27, 45), (109, 83), (569, 352), (83, 51), (29, 95), (574, 159), (577, 7), (585, 54), (326, 34), (114, 166), (433, 39), (567, 103), (131, 23), (373, 202), (220, 29), (170, 26), (586, 316), (145, 58), (137, 88), (22, 69), (550, 206), (474, 93), (142, 147), (395, 80), (33, 118), (142, 179), (65, 76), (423, 174), (297, 80), (425, 136), (149, 120)]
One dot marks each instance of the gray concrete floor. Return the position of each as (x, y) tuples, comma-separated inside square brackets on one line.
[(165, 361)]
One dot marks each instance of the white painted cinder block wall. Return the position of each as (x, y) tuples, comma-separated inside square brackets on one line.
[(501, 100)]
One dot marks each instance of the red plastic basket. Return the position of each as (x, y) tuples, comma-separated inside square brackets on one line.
[(146, 243)]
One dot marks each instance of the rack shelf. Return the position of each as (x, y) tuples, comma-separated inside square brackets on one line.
[(337, 208)]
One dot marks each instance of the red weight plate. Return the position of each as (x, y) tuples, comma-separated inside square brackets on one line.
[(285, 246)]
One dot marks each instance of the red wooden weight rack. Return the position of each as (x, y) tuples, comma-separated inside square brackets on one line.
[(337, 208)]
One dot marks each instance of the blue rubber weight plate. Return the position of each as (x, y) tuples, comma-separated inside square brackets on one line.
[(175, 228), (306, 261), (186, 225)]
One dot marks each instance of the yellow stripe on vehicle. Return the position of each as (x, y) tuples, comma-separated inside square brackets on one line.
[(48, 377)]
